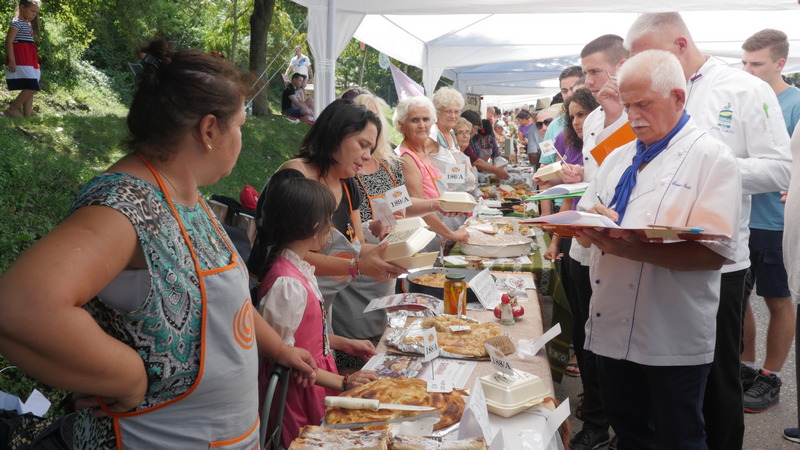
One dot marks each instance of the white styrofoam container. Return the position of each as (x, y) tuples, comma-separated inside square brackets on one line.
[(507, 396)]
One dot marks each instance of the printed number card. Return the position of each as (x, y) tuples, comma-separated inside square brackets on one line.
[(398, 198), (547, 147), (499, 360), (455, 174), (430, 343), (485, 289)]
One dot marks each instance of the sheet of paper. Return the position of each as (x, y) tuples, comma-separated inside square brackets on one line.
[(475, 420), (545, 338), (395, 366), (455, 369), (382, 212), (455, 173), (485, 289)]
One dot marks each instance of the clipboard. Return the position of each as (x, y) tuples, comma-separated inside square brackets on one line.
[(617, 139)]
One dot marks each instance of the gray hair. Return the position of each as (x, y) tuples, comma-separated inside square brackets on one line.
[(401, 112), (383, 150), (447, 96), (656, 23), (661, 67), (556, 111)]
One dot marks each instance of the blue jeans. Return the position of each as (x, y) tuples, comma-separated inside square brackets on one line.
[(654, 407)]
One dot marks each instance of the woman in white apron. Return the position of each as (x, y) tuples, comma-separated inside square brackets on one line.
[(333, 151), (145, 307)]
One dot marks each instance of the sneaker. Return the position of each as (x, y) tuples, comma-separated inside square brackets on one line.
[(792, 434), (748, 376), (589, 439), (614, 444), (763, 394)]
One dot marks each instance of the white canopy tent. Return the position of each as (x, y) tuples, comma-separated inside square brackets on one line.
[(516, 46)]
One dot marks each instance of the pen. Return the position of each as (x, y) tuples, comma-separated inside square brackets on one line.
[(599, 199), (692, 230)]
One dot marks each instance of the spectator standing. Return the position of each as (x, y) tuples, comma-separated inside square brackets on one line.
[(301, 64), (566, 82), (765, 56), (741, 111), (22, 60)]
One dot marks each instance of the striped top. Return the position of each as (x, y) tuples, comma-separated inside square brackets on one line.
[(24, 31)]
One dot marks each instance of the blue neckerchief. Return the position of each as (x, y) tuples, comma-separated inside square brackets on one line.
[(627, 181)]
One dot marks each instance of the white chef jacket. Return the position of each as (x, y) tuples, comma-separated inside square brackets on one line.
[(791, 233), (743, 112), (648, 314), (594, 132)]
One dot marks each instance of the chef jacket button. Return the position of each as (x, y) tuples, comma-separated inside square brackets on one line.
[(631, 286), (598, 314), (596, 281)]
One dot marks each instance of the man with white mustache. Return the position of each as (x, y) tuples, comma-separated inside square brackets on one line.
[(743, 112), (651, 319)]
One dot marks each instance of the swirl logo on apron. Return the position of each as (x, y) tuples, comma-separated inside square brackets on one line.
[(243, 330)]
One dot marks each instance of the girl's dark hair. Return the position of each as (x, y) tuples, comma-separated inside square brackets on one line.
[(294, 209), (337, 121), (583, 97), (175, 90)]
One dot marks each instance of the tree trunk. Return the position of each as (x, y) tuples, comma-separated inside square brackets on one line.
[(259, 27), (235, 38)]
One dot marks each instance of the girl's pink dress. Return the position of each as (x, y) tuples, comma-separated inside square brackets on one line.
[(304, 406)]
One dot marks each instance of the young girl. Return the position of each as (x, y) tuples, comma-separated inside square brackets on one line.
[(299, 221), (22, 62)]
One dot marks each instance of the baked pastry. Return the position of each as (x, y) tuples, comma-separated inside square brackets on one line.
[(312, 437), (467, 343), (406, 391)]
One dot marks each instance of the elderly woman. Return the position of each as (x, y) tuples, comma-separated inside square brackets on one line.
[(146, 306), (442, 146), (414, 118)]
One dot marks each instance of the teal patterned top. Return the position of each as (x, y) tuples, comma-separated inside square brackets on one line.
[(165, 329)]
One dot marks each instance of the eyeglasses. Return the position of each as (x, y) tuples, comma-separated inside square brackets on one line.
[(544, 123), (450, 112), (462, 133)]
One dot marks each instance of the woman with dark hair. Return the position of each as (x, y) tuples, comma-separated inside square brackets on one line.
[(333, 151), (146, 306)]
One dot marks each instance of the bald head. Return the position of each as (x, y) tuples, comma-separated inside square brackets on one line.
[(665, 31)]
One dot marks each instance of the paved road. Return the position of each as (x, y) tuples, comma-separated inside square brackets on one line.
[(763, 431)]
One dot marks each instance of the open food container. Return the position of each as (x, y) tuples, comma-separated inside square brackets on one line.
[(507, 396), (549, 172), (406, 240), (457, 202)]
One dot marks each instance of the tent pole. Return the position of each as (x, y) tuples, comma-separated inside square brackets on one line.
[(330, 44)]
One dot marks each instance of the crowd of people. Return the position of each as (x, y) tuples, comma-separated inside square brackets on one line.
[(148, 312)]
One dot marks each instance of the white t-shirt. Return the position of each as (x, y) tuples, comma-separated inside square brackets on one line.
[(791, 231), (300, 64)]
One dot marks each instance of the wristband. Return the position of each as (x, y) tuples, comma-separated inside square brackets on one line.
[(358, 268), (344, 383), (353, 267)]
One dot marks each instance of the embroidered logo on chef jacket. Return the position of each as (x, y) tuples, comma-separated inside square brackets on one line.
[(725, 117)]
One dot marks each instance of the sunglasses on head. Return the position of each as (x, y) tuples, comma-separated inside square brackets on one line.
[(544, 123)]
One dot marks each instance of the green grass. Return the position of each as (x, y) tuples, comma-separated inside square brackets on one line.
[(45, 160)]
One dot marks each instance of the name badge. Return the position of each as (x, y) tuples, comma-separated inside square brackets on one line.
[(398, 198)]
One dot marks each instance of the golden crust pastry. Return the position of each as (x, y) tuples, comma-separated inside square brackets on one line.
[(467, 343), (406, 391), (431, 280), (312, 437)]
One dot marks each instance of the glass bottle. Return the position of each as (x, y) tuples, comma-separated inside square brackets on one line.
[(455, 294)]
